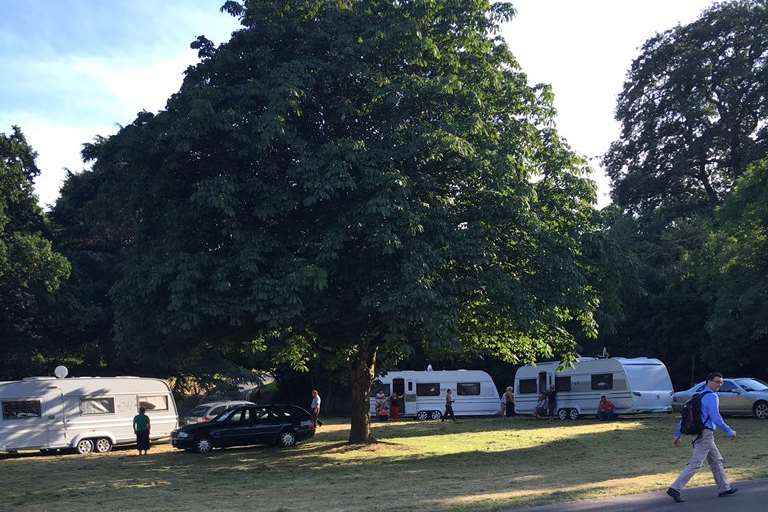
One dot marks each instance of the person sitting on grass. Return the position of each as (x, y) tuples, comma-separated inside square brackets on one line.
[(541, 406), (605, 409)]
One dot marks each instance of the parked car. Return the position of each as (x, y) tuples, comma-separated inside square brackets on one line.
[(282, 425), (737, 396), (206, 412)]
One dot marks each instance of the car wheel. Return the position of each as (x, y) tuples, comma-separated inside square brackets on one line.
[(203, 445), (286, 439), (436, 415), (103, 445), (563, 414), (760, 410), (573, 414), (84, 446), (422, 416)]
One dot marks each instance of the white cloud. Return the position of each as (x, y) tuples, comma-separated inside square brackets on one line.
[(133, 87), (58, 147)]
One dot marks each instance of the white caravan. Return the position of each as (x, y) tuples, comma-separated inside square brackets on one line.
[(422, 393), (85, 413), (637, 385)]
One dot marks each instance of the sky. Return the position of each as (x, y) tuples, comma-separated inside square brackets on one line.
[(75, 69)]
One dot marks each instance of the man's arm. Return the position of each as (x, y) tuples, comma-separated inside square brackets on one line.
[(711, 408)]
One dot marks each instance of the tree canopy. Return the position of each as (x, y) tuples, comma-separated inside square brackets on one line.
[(30, 269), (352, 178), (693, 112)]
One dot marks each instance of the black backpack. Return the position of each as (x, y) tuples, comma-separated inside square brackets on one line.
[(690, 420)]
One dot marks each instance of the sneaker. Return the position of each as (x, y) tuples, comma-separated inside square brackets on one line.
[(675, 495), (729, 492)]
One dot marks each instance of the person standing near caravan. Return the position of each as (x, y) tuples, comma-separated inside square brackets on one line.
[(315, 407), (508, 402), (704, 445), (141, 427), (551, 401), (449, 406)]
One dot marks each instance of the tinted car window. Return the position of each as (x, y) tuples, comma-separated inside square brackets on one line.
[(200, 410), (728, 387), (217, 410)]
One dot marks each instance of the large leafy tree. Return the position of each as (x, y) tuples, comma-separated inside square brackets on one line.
[(693, 113), (351, 179), (30, 269), (734, 271)]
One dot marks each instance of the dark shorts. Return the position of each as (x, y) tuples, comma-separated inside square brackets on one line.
[(142, 440)]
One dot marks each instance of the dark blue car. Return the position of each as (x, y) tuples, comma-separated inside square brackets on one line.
[(281, 425)]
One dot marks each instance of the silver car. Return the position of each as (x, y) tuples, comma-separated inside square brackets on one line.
[(737, 397)]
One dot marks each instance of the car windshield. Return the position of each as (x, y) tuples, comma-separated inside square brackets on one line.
[(199, 411), (752, 384)]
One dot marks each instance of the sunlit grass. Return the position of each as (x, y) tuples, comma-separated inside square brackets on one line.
[(475, 464)]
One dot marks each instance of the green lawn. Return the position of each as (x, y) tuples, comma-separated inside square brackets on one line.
[(477, 464)]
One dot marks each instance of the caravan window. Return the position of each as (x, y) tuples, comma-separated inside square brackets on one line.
[(19, 409), (427, 389), (97, 406), (154, 403), (468, 388), (527, 387), (601, 381), (562, 383)]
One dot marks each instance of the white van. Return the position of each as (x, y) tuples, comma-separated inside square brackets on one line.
[(85, 413), (637, 385), (423, 392)]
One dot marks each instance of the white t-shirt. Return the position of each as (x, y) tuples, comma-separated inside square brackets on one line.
[(315, 402)]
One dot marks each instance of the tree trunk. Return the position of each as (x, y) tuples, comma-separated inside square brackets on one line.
[(363, 372)]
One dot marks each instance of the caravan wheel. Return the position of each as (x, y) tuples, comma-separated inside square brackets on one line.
[(422, 416), (84, 447), (563, 414), (103, 445), (436, 415), (573, 414)]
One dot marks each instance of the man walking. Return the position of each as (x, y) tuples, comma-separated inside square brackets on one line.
[(315, 408), (704, 445)]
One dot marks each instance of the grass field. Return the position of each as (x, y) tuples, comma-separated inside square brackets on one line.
[(475, 464)]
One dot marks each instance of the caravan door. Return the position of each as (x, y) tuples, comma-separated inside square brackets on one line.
[(543, 386), (55, 415)]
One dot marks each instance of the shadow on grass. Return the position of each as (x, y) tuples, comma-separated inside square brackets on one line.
[(328, 471)]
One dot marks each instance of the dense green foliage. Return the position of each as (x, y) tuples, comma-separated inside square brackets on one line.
[(347, 180), (30, 269), (693, 113), (735, 274)]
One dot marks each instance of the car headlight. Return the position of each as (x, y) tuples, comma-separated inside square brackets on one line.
[(181, 434)]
